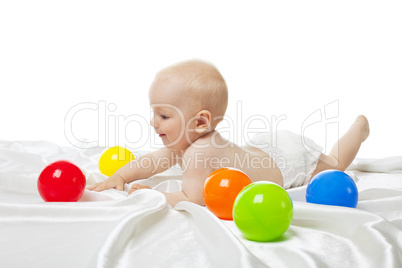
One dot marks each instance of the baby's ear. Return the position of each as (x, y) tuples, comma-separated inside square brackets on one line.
[(203, 122)]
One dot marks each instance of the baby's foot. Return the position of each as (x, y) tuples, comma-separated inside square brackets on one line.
[(363, 123)]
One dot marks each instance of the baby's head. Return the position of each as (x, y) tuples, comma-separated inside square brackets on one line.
[(201, 87), (197, 91)]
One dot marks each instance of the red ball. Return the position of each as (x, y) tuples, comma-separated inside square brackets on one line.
[(61, 181), (221, 189)]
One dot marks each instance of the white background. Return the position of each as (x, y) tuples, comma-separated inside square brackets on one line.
[(88, 64)]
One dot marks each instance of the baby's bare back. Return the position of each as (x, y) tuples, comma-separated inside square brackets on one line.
[(212, 152), (220, 153)]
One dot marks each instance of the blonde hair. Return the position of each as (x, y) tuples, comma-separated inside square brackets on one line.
[(203, 84)]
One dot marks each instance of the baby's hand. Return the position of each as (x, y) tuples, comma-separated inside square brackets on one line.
[(136, 187), (115, 181)]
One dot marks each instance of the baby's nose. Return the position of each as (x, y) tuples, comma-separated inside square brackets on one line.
[(152, 121)]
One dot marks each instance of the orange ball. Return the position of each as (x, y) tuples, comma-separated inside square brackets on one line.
[(221, 189)]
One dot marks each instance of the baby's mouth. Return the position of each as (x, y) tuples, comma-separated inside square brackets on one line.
[(162, 135)]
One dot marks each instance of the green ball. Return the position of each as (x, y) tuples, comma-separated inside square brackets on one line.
[(263, 211)]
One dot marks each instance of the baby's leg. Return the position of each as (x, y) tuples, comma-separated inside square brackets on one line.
[(345, 149)]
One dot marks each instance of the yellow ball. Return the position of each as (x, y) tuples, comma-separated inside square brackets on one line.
[(114, 158)]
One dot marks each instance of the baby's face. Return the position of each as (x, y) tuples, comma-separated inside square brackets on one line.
[(171, 115)]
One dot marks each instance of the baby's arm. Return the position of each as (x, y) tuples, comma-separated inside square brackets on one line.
[(196, 169), (140, 168)]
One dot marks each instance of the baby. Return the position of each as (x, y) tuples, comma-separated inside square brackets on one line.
[(189, 99)]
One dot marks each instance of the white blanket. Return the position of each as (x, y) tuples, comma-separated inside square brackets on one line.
[(109, 229)]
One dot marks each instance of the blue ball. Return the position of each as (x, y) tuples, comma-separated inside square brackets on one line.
[(332, 187)]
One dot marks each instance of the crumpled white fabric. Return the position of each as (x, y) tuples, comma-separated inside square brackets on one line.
[(111, 229)]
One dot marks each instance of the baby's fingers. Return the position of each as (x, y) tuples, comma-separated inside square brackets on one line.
[(119, 187), (100, 186), (136, 187), (105, 185), (93, 186)]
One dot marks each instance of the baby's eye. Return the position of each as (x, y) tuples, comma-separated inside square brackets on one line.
[(164, 116)]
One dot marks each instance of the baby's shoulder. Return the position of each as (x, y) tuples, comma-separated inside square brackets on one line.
[(201, 148), (205, 148), (200, 159)]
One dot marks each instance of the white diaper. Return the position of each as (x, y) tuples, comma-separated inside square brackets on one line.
[(295, 155)]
